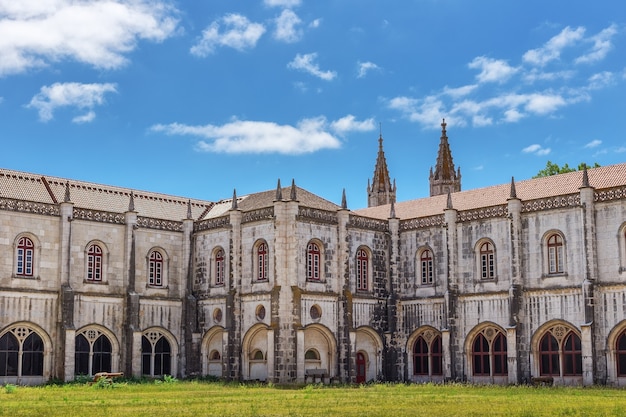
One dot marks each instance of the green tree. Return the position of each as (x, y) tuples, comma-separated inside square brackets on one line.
[(553, 169)]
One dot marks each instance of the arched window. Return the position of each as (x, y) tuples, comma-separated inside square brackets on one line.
[(219, 267), (362, 269), (480, 352), (261, 257), (93, 353), (489, 353), (555, 254), (487, 261), (560, 353), (156, 355), (257, 355), (420, 357), (549, 356), (155, 269), (311, 355), (313, 256), (620, 351), (427, 354), (426, 266), (21, 353), (572, 355), (25, 257), (94, 263)]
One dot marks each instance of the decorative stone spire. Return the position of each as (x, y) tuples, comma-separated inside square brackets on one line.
[(585, 177), (67, 192), (392, 210), (449, 201), (344, 202), (235, 206), (513, 191), (131, 202), (279, 191), (189, 216), (444, 178), (293, 195), (381, 191)]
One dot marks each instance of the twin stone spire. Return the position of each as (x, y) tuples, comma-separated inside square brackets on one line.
[(443, 180)]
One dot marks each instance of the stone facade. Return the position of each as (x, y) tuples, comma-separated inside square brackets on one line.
[(494, 285)]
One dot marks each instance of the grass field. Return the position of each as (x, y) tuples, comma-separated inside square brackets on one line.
[(185, 398)]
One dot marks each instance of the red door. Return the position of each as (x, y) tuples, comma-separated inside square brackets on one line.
[(360, 368)]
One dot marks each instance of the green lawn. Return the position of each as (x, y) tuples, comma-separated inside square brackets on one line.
[(217, 399)]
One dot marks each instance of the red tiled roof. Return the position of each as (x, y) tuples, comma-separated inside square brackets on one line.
[(569, 183)]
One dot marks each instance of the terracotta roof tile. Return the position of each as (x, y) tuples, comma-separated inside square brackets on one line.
[(91, 196), (569, 183)]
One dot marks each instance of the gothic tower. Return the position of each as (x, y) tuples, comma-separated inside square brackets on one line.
[(381, 191), (445, 179)]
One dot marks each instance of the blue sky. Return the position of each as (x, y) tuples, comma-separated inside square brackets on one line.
[(196, 98)]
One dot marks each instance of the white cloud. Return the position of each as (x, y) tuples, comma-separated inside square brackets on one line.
[(350, 124), (459, 91), (85, 118), (307, 63), (282, 3), (309, 135), (81, 96), (238, 33), (537, 150), (364, 67), (601, 46), (428, 111), (286, 27), (552, 49), (34, 34), (315, 23), (512, 115), (594, 143), (492, 70), (481, 120), (543, 103), (600, 80), (535, 75)]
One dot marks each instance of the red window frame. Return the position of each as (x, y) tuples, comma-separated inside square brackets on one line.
[(555, 254), (549, 364), (420, 357), (572, 355), (313, 262), (155, 274), (487, 261), (94, 263), (481, 356), (362, 265), (500, 356), (426, 262), (219, 267), (262, 261), (620, 352), (25, 257)]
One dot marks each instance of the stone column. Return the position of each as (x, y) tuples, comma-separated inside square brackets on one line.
[(591, 273), (395, 355), (233, 300), (345, 356), (452, 349), (131, 340), (289, 354), (65, 365), (190, 348), (511, 346)]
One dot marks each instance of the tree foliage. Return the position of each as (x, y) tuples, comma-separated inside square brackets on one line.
[(553, 169)]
